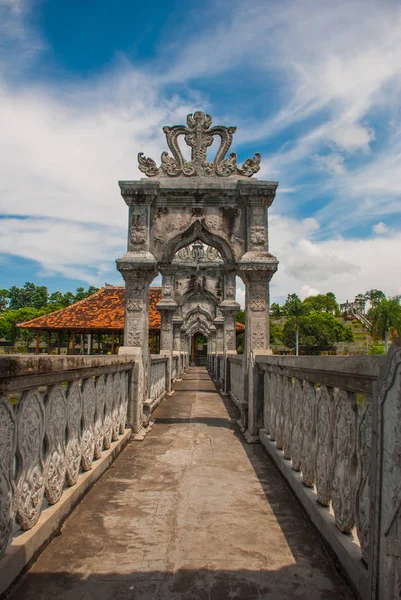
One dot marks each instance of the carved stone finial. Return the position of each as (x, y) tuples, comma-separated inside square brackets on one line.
[(198, 135)]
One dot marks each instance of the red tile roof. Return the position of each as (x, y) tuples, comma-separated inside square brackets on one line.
[(101, 312)]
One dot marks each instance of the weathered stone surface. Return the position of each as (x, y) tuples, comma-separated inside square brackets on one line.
[(190, 513)]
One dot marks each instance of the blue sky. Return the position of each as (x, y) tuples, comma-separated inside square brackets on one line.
[(313, 85)]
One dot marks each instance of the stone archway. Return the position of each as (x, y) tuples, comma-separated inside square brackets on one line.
[(183, 201)]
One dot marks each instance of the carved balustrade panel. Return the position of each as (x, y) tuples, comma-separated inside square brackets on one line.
[(157, 379), (108, 412), (344, 461), (308, 434), (271, 409), (362, 499), (56, 461), (124, 383), (74, 447), (8, 440), (30, 485), (279, 433), (99, 415), (88, 423), (116, 406), (324, 444), (288, 391), (297, 429), (237, 379)]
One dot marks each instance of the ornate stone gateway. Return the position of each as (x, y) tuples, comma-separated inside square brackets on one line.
[(181, 206)]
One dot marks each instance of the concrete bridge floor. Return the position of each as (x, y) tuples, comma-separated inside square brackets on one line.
[(191, 512)]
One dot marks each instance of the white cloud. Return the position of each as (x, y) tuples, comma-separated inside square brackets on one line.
[(307, 291), (380, 228), (332, 163), (344, 266)]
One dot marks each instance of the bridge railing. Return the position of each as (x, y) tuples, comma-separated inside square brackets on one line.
[(57, 416), (318, 419), (236, 384)]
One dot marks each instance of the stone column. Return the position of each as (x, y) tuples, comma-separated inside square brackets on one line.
[(229, 308), (219, 324), (167, 307), (177, 323), (256, 268), (212, 349), (138, 268), (136, 330), (184, 346)]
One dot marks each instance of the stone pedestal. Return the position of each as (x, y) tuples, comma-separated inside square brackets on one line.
[(229, 309)]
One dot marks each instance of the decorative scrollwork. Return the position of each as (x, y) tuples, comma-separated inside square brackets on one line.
[(115, 415), (108, 413), (99, 415), (308, 434), (198, 135), (124, 400), (73, 449), (55, 462), (30, 479), (88, 422), (324, 443), (7, 453), (297, 424)]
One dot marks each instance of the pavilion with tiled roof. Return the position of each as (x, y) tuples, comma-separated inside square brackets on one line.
[(98, 314)]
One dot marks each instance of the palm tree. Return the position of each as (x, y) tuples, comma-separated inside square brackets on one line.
[(386, 315)]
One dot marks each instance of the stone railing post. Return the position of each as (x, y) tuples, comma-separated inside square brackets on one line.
[(229, 308), (167, 307), (219, 324)]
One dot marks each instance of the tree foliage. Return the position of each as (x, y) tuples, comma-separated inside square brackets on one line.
[(322, 303), (317, 331), (386, 316)]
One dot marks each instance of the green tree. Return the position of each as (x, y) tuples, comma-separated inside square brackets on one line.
[(8, 323), (385, 316), (275, 310), (4, 299), (276, 333), (81, 293), (322, 303), (317, 331), (295, 308), (375, 297), (30, 295), (240, 317), (360, 301)]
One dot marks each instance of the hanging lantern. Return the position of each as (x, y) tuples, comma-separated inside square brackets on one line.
[(198, 250)]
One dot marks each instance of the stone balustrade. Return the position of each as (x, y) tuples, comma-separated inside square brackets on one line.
[(57, 416), (317, 418), (236, 383), (158, 376)]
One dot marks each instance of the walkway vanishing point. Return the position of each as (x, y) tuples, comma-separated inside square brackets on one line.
[(191, 512)]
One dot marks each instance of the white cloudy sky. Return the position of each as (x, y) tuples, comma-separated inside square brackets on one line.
[(313, 85)]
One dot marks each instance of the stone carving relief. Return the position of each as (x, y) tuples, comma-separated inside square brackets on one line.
[(7, 453), (88, 421), (134, 335), (323, 456), (297, 424), (309, 434), (258, 297), (198, 135), (197, 211), (362, 503), (287, 412), (55, 462), (116, 406), (108, 412), (138, 228), (258, 235), (269, 405), (124, 400), (258, 335), (279, 430), (344, 461), (99, 415), (135, 304), (30, 485), (73, 448)]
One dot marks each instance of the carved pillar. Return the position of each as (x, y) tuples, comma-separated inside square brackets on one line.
[(167, 307), (219, 324), (184, 346), (229, 308), (177, 323), (212, 349), (138, 268)]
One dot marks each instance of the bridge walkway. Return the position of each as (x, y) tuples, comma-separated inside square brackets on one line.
[(192, 512)]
